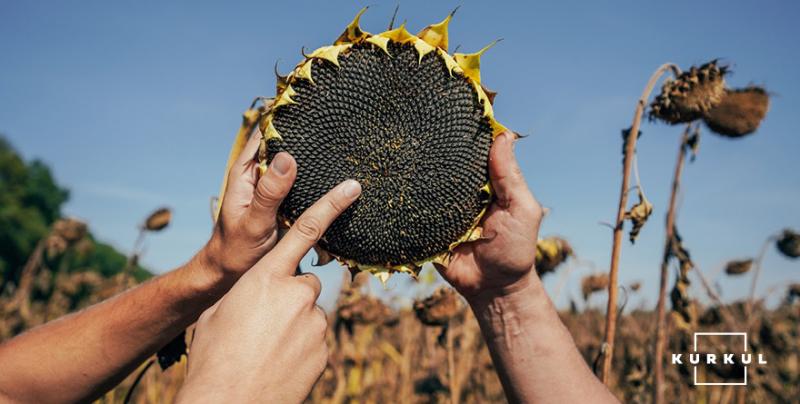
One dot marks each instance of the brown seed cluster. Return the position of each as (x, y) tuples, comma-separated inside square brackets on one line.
[(690, 95), (411, 133)]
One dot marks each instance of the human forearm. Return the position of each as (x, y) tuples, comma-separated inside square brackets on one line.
[(535, 356), (78, 357)]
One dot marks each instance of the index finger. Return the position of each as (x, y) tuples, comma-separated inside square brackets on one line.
[(311, 225)]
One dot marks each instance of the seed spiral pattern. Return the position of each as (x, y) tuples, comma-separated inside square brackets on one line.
[(412, 134)]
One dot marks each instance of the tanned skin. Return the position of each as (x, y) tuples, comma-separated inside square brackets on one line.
[(535, 356), (264, 338), (82, 355)]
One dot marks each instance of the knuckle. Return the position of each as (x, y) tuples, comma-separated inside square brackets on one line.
[(305, 292), (334, 203), (309, 228), (267, 192)]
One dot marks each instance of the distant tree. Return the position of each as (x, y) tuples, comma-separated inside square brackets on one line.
[(30, 201)]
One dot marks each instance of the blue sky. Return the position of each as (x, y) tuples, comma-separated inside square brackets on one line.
[(135, 105)]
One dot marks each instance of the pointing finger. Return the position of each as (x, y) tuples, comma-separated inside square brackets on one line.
[(311, 225)]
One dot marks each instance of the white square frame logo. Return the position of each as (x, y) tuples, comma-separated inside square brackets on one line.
[(743, 335)]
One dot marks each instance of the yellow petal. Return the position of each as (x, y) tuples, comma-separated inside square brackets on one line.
[(471, 63), (381, 42), (285, 97), (497, 127), (353, 32), (399, 34), (304, 72), (452, 65), (436, 35), (330, 53), (271, 133), (422, 48)]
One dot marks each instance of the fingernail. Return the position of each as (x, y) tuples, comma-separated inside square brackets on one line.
[(280, 164), (351, 188)]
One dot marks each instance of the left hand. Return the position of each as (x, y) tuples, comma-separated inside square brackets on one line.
[(247, 226)]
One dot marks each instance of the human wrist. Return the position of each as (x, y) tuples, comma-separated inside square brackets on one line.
[(515, 290), (511, 306), (206, 273)]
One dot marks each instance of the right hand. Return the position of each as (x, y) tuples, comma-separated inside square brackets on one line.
[(503, 261), (264, 341)]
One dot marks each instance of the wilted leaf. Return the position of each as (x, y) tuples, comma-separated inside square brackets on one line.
[(638, 215), (693, 142), (680, 252)]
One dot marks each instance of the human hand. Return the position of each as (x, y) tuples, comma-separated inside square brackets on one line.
[(247, 227), (503, 260), (264, 341)]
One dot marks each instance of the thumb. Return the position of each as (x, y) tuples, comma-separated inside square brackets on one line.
[(508, 183), (273, 186)]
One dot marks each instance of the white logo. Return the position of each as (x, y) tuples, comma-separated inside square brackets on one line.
[(745, 359)]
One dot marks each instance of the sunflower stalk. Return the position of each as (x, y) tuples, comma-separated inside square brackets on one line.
[(611, 312), (661, 315), (757, 264)]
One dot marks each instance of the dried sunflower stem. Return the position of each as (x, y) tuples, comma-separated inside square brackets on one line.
[(756, 272), (661, 312), (724, 310), (611, 316), (455, 388)]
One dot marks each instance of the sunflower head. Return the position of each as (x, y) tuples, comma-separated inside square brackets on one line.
[(687, 97), (789, 243), (739, 113), (438, 309), (593, 283), (550, 253), (411, 122), (738, 267)]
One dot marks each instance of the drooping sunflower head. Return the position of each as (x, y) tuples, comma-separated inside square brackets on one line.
[(739, 113), (687, 97), (438, 309), (789, 243), (406, 119), (550, 253)]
